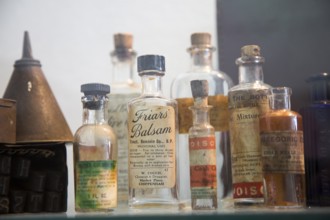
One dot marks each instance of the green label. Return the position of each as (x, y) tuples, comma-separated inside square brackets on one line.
[(96, 184)]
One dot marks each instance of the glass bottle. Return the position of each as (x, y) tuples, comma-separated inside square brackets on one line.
[(95, 154), (247, 101), (202, 151), (282, 146), (124, 88), (152, 140), (316, 118), (201, 68)]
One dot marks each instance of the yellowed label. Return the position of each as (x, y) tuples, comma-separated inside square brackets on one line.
[(283, 152), (218, 113), (151, 133), (245, 108)]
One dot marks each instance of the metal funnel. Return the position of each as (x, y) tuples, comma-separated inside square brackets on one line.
[(39, 118)]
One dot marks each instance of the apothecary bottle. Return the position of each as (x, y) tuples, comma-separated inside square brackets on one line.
[(247, 101), (95, 154), (282, 151), (123, 88), (201, 68), (316, 118), (152, 140), (202, 151)]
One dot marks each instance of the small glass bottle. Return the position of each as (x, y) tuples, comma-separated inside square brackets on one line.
[(282, 146), (152, 140), (95, 154), (201, 68), (247, 101), (316, 118), (123, 88), (202, 151)]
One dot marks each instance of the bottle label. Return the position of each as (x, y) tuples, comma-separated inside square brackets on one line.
[(117, 113), (245, 107), (96, 184), (203, 169), (283, 152), (218, 113), (151, 147)]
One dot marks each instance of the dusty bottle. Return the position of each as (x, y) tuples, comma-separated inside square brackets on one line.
[(247, 101), (201, 68), (202, 151), (282, 146), (316, 119), (123, 88), (152, 140), (95, 154)]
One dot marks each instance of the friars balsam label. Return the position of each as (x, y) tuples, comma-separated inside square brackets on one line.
[(283, 152), (151, 133), (218, 113), (245, 108), (203, 169), (96, 186)]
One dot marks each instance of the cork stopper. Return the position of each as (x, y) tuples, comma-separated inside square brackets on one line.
[(123, 41), (199, 88), (200, 39), (250, 51)]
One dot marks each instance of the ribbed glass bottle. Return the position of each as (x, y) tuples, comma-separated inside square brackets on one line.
[(247, 101), (95, 154), (152, 130), (124, 88), (201, 68)]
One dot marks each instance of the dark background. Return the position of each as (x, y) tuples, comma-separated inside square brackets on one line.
[(294, 36)]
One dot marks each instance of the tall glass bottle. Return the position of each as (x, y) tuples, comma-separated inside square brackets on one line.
[(124, 88), (247, 101), (282, 146), (95, 154), (316, 118), (152, 140), (201, 68), (202, 151)]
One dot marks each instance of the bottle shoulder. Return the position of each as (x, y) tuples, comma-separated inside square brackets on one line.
[(219, 83), (250, 86), (152, 101), (94, 130)]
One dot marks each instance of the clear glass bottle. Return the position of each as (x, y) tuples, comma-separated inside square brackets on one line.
[(124, 88), (282, 147), (247, 101), (202, 151), (201, 68), (95, 154), (316, 118), (152, 140)]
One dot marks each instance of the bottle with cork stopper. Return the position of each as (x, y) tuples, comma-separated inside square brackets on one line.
[(201, 68), (124, 88), (247, 101), (202, 151)]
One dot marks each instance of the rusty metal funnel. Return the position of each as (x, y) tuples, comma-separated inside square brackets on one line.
[(39, 118)]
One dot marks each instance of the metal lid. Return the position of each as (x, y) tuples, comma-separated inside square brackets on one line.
[(151, 64), (95, 89), (39, 117)]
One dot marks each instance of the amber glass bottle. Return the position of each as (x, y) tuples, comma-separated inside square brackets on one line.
[(282, 146)]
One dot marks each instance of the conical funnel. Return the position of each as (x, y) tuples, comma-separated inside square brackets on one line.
[(39, 118)]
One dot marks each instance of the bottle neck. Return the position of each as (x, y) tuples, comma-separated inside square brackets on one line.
[(201, 58), (200, 111), (151, 85), (280, 98), (123, 66), (95, 109), (250, 73)]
